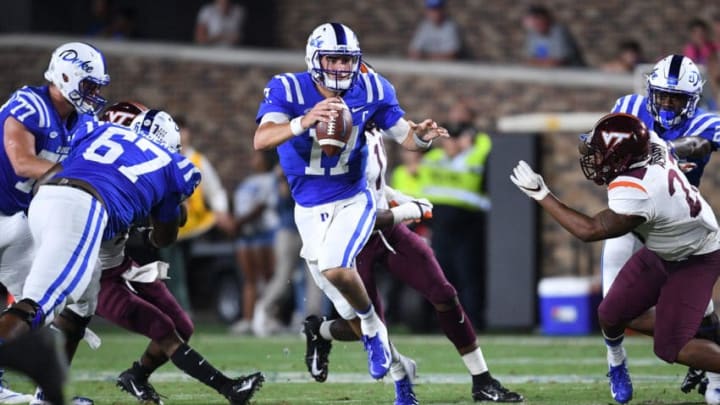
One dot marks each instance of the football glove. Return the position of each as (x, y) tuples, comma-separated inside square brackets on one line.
[(529, 182), (396, 197), (414, 210)]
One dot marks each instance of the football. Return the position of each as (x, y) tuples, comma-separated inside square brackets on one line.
[(332, 136)]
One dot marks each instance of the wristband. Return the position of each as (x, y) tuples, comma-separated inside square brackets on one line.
[(296, 126), (420, 143)]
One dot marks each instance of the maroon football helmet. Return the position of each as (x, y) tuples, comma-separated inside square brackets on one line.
[(123, 113), (617, 143)]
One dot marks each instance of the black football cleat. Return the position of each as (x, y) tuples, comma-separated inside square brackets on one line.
[(694, 379), (317, 349), (494, 392), (40, 355), (140, 388), (243, 388)]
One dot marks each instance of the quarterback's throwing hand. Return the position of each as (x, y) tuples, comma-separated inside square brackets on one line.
[(528, 181)]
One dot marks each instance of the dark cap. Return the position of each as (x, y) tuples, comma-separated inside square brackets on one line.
[(434, 3)]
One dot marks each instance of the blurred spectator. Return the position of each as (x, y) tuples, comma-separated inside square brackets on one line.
[(220, 23), (206, 207), (286, 250), (630, 54), (109, 22), (438, 36), (547, 42), (700, 47), (256, 220), (406, 177), (100, 18), (455, 174)]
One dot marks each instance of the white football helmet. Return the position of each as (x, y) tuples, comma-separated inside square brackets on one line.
[(679, 76), (333, 39), (79, 71), (159, 127)]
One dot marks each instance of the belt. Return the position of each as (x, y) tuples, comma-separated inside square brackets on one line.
[(76, 183)]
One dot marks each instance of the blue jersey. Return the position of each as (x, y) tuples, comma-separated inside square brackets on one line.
[(32, 107), (134, 176), (702, 124), (315, 178)]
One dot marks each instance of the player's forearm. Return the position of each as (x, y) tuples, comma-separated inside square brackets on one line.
[(580, 225), (31, 167), (693, 147), (270, 135)]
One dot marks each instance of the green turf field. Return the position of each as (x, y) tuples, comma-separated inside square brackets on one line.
[(547, 370)]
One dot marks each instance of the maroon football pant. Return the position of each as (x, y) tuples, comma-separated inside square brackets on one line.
[(150, 310), (680, 292), (414, 264)]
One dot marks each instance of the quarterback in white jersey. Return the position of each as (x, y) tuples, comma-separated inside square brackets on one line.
[(675, 271)]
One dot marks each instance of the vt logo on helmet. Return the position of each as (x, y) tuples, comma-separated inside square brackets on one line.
[(78, 70), (617, 143)]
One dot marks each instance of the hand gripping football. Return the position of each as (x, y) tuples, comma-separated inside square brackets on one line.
[(333, 135)]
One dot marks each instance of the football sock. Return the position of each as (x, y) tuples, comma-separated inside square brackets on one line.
[(195, 365), (481, 379), (370, 323), (457, 327), (397, 371), (615, 350), (325, 330), (475, 362), (140, 371)]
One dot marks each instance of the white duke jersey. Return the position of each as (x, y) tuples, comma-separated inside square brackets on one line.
[(376, 167), (702, 124), (134, 176), (315, 178), (32, 107), (679, 222)]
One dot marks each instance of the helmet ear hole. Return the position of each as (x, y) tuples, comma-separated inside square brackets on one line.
[(65, 78)]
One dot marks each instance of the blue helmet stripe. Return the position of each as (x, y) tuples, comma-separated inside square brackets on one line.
[(339, 33), (149, 118), (674, 71)]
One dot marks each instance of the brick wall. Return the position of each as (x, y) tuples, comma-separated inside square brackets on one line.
[(493, 28)]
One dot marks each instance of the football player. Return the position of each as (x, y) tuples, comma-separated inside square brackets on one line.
[(335, 211), (675, 269), (407, 257), (111, 177), (37, 127), (670, 109), (136, 298)]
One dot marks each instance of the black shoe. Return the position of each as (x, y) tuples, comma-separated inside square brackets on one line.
[(317, 349), (140, 388), (41, 356), (243, 388), (495, 392), (694, 378)]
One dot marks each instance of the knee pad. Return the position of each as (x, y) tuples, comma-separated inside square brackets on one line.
[(72, 324), (34, 317)]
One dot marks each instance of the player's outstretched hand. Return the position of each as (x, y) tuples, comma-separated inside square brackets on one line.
[(414, 210), (428, 130), (529, 182)]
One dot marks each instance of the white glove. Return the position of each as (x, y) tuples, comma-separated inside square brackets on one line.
[(396, 197), (414, 210), (529, 182)]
